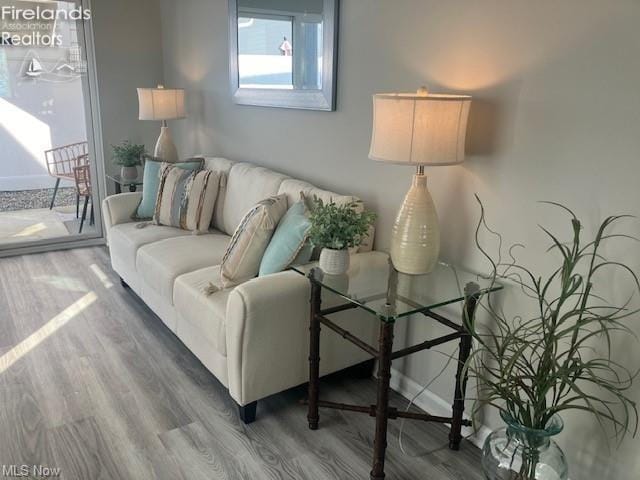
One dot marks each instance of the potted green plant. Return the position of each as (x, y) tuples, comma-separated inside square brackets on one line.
[(336, 229), (555, 356), (128, 156)]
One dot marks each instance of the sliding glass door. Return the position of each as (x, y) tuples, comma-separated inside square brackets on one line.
[(49, 188)]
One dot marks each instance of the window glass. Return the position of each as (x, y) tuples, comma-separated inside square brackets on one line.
[(265, 52)]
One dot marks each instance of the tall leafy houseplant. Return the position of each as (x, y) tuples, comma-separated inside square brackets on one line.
[(335, 229), (128, 156), (533, 368)]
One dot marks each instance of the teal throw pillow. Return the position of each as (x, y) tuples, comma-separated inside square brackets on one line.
[(151, 184), (288, 242)]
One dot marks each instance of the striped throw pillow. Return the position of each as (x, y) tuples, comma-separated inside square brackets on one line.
[(186, 199), (242, 260)]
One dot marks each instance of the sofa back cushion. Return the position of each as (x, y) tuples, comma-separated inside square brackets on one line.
[(246, 186), (242, 185)]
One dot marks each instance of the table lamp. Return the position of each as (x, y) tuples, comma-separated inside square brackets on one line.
[(162, 104), (419, 129)]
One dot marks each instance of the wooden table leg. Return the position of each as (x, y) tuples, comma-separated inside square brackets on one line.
[(118, 188), (382, 407), (314, 356), (455, 435)]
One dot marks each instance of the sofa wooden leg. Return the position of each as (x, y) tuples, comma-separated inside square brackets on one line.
[(248, 412), (124, 284)]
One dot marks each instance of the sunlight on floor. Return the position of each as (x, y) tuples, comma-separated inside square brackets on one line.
[(31, 230), (52, 326), (97, 271), (38, 224), (68, 284)]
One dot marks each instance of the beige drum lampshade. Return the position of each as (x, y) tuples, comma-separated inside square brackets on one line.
[(418, 129), (161, 103)]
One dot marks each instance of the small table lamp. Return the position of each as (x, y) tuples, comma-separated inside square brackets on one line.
[(162, 104), (418, 129)]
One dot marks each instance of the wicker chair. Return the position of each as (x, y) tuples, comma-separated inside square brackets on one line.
[(82, 177), (61, 161)]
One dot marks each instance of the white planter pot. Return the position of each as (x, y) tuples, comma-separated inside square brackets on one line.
[(334, 262), (129, 173)]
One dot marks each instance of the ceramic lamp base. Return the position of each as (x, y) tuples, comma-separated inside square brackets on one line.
[(165, 148), (415, 241)]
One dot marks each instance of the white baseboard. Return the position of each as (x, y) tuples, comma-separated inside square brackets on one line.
[(30, 182), (435, 405)]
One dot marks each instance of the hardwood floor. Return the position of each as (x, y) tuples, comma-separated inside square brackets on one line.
[(93, 383)]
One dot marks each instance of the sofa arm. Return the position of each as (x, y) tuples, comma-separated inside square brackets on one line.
[(267, 326), (118, 209)]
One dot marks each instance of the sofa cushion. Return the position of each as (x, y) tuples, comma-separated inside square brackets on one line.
[(125, 239), (205, 312), (160, 263), (246, 186)]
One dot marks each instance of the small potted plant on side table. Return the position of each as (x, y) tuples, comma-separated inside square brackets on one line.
[(336, 229), (128, 156)]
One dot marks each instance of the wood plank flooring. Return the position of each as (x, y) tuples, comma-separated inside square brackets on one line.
[(93, 383)]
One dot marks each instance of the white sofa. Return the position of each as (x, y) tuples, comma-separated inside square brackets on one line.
[(254, 337)]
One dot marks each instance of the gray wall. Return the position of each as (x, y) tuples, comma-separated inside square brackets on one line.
[(128, 45), (555, 117)]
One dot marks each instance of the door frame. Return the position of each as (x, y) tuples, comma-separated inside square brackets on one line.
[(93, 121)]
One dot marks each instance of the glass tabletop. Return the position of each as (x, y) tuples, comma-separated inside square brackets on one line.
[(374, 285), (127, 181)]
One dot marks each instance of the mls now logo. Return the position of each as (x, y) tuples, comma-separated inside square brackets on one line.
[(38, 471)]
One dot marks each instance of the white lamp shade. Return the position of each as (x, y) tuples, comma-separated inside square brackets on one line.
[(161, 103), (419, 129)]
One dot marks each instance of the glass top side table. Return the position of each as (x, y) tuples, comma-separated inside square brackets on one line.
[(131, 183), (373, 285)]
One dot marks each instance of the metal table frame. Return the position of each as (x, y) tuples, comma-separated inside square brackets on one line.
[(385, 356)]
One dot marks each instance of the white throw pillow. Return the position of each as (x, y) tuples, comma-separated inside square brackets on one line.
[(242, 260)]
